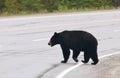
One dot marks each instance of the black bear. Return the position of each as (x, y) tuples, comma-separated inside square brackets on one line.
[(76, 41)]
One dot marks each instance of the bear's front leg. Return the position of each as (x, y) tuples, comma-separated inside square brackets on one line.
[(64, 61), (66, 53)]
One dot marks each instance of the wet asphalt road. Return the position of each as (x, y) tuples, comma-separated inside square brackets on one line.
[(24, 52)]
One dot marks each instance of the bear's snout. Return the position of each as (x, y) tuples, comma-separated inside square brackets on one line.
[(49, 43)]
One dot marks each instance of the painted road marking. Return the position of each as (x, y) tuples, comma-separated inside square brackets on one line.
[(62, 74), (1, 46), (116, 30), (57, 25), (40, 39)]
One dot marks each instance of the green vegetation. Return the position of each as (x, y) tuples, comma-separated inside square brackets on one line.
[(8, 7)]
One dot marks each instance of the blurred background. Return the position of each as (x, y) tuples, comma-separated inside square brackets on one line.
[(12, 7)]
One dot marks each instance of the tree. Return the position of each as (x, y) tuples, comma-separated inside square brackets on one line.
[(12, 6), (2, 2), (116, 3), (25, 6), (50, 5), (30, 5)]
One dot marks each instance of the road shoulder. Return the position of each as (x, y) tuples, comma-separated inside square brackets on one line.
[(108, 67)]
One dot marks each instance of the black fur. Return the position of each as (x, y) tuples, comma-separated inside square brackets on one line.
[(76, 41)]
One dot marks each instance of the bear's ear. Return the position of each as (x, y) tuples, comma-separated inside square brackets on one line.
[(55, 33)]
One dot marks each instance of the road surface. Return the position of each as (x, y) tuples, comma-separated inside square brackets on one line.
[(24, 52)]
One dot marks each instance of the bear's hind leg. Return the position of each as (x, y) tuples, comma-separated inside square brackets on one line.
[(86, 57), (95, 59), (75, 55), (94, 56)]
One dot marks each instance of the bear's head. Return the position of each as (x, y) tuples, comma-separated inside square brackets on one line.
[(54, 39)]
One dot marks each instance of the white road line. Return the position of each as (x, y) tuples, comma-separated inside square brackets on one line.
[(62, 74), (116, 30), (56, 25), (41, 39), (108, 55), (1, 46)]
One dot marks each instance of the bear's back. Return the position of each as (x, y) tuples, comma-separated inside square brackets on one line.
[(78, 38)]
